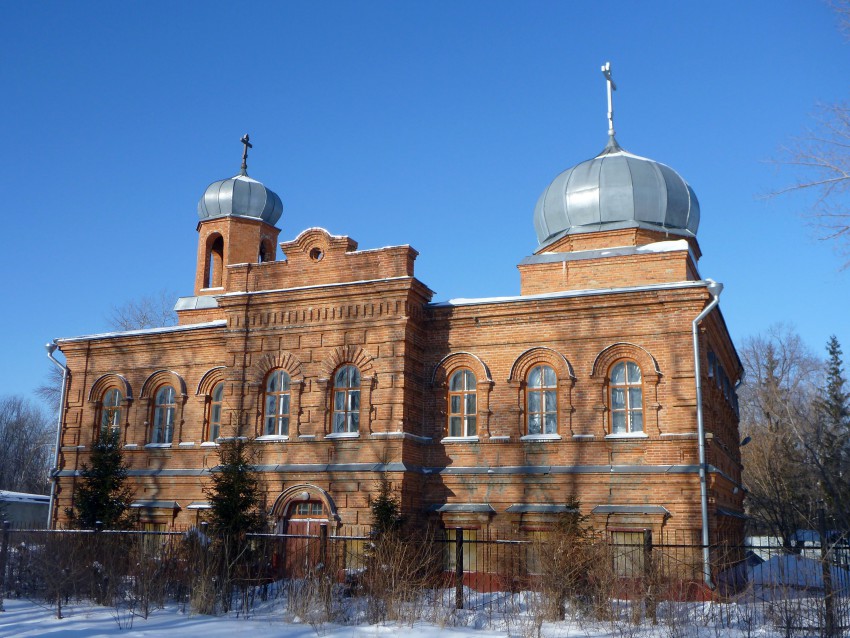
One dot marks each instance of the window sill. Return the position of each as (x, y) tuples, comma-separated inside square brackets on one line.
[(628, 435), (271, 438), (499, 439), (209, 444), (131, 446), (540, 437), (459, 439), (343, 435), (157, 445), (186, 444)]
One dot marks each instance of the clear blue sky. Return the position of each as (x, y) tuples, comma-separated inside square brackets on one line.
[(434, 123)]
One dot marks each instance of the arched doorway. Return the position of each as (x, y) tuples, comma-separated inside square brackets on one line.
[(301, 512)]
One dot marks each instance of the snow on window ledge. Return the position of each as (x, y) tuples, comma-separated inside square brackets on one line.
[(342, 435), (271, 438), (628, 435), (459, 439), (540, 437), (209, 444)]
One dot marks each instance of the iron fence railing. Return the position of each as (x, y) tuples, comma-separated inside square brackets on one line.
[(806, 590)]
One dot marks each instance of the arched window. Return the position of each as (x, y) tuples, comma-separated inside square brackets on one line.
[(626, 397), (541, 401), (278, 387), (110, 412), (164, 411), (462, 404), (214, 424), (346, 416)]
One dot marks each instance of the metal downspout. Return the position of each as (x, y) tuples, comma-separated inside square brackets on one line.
[(51, 348), (714, 289)]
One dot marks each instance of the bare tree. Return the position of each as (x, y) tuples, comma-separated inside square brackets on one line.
[(26, 446), (150, 311), (51, 390), (778, 412), (821, 159)]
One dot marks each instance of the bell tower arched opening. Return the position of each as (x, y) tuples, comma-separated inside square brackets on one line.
[(215, 261)]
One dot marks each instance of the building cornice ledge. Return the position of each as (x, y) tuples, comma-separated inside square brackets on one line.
[(566, 294)]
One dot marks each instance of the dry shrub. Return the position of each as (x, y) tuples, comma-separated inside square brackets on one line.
[(568, 565), (400, 568)]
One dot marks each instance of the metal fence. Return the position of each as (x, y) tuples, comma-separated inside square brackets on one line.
[(802, 591)]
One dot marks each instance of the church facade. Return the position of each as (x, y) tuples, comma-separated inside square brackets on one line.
[(607, 383)]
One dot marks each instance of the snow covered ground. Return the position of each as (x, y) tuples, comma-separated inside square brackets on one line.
[(24, 619)]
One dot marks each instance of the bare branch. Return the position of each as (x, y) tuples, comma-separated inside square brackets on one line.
[(821, 158), (151, 311)]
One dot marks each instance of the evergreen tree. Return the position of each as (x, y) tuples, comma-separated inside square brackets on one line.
[(234, 494), (386, 511), (101, 495), (835, 405), (234, 497), (834, 429)]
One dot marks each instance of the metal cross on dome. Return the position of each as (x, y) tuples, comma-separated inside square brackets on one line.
[(606, 71), (246, 141)]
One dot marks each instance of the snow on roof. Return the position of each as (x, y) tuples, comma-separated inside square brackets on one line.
[(313, 286), (218, 323), (799, 572), (570, 293), (23, 497)]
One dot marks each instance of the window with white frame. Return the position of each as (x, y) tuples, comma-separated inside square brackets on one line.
[(214, 424), (110, 412), (541, 401), (626, 397), (346, 400), (164, 412), (462, 404), (278, 386)]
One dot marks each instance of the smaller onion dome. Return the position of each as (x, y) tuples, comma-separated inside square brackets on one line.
[(613, 190), (240, 196)]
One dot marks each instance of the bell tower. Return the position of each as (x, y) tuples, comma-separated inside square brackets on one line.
[(237, 217)]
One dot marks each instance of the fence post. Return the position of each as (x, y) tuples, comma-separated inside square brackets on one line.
[(202, 548), (458, 568), (649, 578), (4, 555), (829, 603), (323, 545)]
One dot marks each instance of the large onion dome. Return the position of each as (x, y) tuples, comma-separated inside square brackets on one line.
[(616, 190), (240, 196)]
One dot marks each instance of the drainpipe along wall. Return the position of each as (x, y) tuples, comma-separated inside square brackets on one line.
[(51, 348), (714, 290)]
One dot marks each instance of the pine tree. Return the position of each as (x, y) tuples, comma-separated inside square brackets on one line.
[(101, 496), (835, 405), (834, 440), (234, 495), (386, 511)]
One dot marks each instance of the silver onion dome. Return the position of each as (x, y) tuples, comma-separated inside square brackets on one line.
[(615, 190), (240, 196)]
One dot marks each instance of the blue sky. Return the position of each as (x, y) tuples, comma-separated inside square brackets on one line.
[(436, 124)]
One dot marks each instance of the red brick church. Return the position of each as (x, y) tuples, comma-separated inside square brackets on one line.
[(608, 377)]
